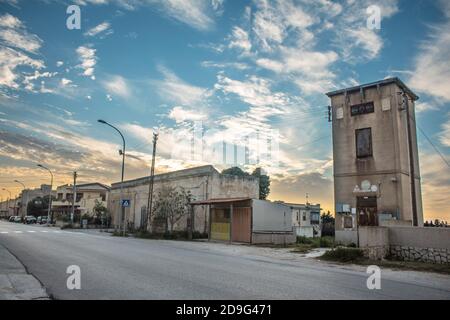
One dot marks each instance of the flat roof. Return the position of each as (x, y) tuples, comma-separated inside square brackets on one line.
[(224, 200), (202, 170), (384, 82)]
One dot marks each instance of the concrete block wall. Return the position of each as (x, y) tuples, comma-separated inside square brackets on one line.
[(273, 238)]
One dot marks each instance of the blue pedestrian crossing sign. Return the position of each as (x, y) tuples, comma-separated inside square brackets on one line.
[(126, 203)]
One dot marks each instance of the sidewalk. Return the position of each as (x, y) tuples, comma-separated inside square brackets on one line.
[(15, 282)]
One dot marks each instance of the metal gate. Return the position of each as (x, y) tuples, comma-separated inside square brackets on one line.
[(367, 211), (241, 226)]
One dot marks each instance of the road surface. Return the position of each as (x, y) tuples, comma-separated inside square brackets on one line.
[(128, 268)]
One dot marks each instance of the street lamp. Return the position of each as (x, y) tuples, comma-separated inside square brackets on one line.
[(50, 195), (8, 198), (123, 171), (23, 191)]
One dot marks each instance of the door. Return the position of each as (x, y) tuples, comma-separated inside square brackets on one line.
[(367, 211), (241, 226)]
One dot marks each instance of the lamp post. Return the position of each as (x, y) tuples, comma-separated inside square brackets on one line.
[(123, 171), (8, 198), (50, 194), (23, 191)]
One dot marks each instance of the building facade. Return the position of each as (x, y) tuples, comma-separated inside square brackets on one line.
[(202, 182), (28, 195), (376, 162), (306, 219), (87, 195), (247, 220)]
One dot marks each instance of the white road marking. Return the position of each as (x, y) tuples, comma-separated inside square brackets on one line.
[(31, 231), (45, 231), (4, 232), (18, 231)]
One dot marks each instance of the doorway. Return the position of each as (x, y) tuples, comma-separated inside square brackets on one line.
[(366, 208), (241, 227)]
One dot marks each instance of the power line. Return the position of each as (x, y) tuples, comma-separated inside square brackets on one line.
[(433, 145)]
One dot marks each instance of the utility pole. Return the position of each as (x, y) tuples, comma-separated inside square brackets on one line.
[(74, 197), (152, 179), (411, 161)]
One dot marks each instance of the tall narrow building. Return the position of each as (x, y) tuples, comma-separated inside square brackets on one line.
[(376, 161)]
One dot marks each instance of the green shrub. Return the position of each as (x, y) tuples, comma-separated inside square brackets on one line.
[(343, 254), (326, 242), (304, 240)]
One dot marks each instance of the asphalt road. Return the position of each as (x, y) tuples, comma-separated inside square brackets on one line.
[(126, 268)]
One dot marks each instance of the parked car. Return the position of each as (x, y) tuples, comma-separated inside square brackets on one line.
[(29, 220), (17, 219), (11, 219), (41, 219)]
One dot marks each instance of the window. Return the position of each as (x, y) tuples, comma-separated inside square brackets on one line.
[(304, 216), (315, 217), (348, 222), (363, 143)]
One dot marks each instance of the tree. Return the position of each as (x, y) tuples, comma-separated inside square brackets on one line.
[(328, 223), (264, 180), (264, 183), (100, 211), (171, 205), (38, 206), (235, 171)]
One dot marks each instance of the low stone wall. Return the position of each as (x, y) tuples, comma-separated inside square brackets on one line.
[(421, 254), (273, 237), (420, 244)]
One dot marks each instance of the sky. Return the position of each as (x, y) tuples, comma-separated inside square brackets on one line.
[(204, 72)]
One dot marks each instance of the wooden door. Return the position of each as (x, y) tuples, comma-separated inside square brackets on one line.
[(241, 226)]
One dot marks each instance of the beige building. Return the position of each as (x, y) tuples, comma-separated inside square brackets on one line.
[(87, 196), (202, 182), (306, 219), (376, 162)]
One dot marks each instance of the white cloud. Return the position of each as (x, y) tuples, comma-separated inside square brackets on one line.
[(175, 90), (445, 134), (180, 114), (117, 85), (59, 63), (223, 65), (423, 106), (10, 59), (103, 28), (108, 97), (255, 92), (14, 34), (67, 82), (88, 60), (239, 39), (16, 45), (432, 68), (195, 13)]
